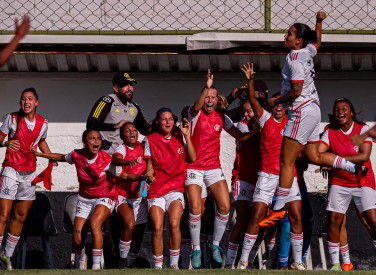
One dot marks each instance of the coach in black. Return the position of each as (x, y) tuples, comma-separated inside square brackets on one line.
[(112, 111)]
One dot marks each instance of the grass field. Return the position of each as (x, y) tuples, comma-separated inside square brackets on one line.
[(167, 271)]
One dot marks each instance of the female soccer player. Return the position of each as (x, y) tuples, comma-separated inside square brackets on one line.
[(96, 194), (301, 133), (166, 154), (344, 186), (207, 124), (247, 164), (131, 208), (24, 128)]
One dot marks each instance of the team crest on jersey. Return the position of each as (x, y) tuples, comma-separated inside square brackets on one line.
[(217, 127), (282, 132), (106, 99), (180, 150), (139, 159), (131, 111), (356, 148), (117, 110)]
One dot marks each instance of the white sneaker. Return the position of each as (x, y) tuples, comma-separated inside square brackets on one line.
[(242, 264), (96, 267), (83, 263), (297, 266)]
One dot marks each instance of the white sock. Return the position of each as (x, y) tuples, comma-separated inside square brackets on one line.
[(158, 261), (281, 196), (195, 228), (11, 244), (296, 246), (345, 254), (174, 257), (97, 256), (248, 243), (220, 223), (232, 251), (124, 248), (334, 252), (271, 244), (340, 162)]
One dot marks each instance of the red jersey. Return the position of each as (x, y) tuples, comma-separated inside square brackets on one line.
[(340, 144), (131, 190), (248, 155), (205, 136), (168, 159), (270, 143), (23, 160), (94, 180)]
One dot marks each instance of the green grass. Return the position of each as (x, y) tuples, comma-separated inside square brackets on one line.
[(152, 271)]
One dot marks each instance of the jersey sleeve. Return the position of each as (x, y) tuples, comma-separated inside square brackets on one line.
[(365, 128), (120, 150), (147, 149), (297, 71), (117, 171), (227, 124), (6, 126), (243, 127), (325, 138), (265, 115), (43, 132), (312, 49), (68, 158), (99, 113)]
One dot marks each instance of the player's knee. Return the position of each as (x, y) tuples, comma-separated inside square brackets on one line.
[(4, 215), (195, 208), (158, 230), (130, 225), (96, 226), (174, 226), (223, 208), (20, 217)]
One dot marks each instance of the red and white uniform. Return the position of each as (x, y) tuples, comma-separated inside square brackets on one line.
[(270, 146), (343, 184), (205, 135), (96, 177), (168, 159), (19, 167), (247, 161), (129, 192), (304, 111)]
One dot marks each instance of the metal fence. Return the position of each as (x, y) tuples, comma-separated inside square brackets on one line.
[(185, 16)]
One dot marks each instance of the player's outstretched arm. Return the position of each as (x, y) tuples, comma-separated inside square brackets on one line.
[(193, 111), (250, 75), (320, 16)]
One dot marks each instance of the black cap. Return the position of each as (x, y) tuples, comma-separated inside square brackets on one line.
[(122, 79)]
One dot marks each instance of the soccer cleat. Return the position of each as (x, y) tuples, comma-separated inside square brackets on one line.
[(82, 263), (297, 266), (336, 267), (273, 217), (242, 264), (6, 260), (347, 267), (96, 267), (216, 253), (196, 259), (361, 173), (174, 266)]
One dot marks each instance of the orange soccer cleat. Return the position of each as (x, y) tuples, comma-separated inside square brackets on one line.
[(361, 173), (347, 267), (273, 217)]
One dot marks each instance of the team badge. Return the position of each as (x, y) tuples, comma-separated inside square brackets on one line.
[(356, 148), (117, 110), (180, 151), (106, 99), (131, 111), (217, 127)]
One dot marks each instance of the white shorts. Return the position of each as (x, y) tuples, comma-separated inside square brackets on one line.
[(139, 207), (204, 177), (304, 124), (243, 191), (12, 189), (266, 186), (165, 201), (85, 207), (339, 198)]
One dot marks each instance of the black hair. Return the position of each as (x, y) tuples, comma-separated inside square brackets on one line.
[(184, 112), (154, 125), (355, 117), (87, 131), (123, 127), (303, 31)]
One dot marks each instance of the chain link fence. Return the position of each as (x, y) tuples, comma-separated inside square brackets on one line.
[(186, 16)]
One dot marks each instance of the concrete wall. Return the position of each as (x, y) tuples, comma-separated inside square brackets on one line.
[(67, 98)]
